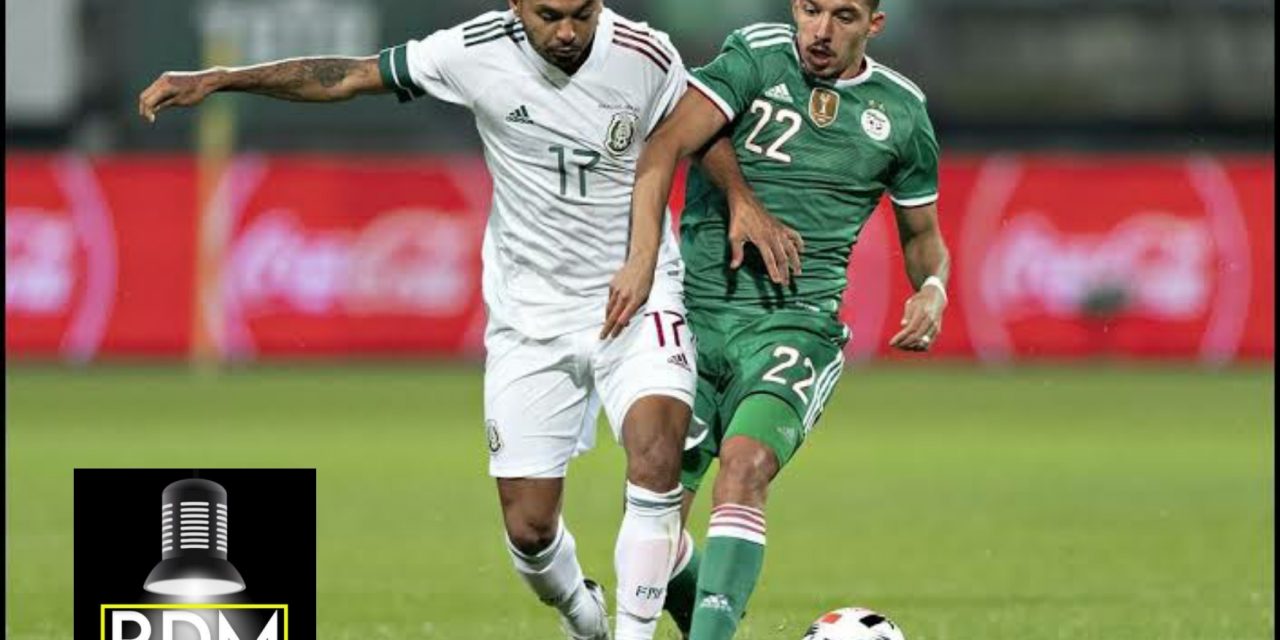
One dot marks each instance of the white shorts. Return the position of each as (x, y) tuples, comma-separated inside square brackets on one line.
[(542, 397)]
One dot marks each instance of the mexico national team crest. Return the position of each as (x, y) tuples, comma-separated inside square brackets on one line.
[(621, 133), (876, 124), (824, 104)]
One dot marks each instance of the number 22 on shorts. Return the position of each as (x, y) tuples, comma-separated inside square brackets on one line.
[(790, 356)]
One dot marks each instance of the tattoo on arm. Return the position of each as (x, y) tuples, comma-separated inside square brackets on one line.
[(302, 79), (329, 72)]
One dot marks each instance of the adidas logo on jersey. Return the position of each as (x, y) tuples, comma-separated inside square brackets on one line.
[(520, 116), (680, 360), (778, 92)]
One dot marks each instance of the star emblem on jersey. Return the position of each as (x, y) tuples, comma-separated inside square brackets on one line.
[(778, 92), (824, 104), (621, 133), (520, 115), (876, 124)]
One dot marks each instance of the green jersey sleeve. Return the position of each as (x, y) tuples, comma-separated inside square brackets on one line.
[(732, 79), (915, 183)]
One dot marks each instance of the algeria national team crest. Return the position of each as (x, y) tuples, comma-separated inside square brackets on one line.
[(876, 124), (621, 133), (824, 104)]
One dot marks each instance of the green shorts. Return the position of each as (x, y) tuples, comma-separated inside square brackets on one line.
[(794, 355)]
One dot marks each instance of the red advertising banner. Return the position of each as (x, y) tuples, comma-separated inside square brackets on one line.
[(1063, 256), (332, 256), (98, 256), (1053, 256)]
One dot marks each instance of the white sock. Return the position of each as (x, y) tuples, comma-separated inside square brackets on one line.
[(644, 558), (684, 553), (556, 577)]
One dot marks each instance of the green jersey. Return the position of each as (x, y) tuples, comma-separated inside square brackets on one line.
[(818, 154)]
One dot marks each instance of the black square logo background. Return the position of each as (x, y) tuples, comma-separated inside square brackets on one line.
[(271, 539)]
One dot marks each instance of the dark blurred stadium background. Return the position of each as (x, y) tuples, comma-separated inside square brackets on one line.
[(1107, 193), (1119, 75)]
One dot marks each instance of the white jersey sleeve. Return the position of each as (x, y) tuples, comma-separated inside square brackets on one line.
[(437, 64), (426, 66), (677, 80)]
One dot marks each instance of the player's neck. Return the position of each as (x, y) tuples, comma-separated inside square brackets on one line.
[(577, 64), (859, 65)]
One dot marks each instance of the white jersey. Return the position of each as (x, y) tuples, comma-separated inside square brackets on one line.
[(562, 151)]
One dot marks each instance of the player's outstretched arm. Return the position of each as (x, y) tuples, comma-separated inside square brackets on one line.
[(928, 266), (779, 245), (321, 79), (689, 126)]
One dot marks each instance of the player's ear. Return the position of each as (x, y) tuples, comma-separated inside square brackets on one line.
[(515, 5), (877, 23)]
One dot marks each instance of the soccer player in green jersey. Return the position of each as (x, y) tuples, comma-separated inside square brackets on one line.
[(821, 132)]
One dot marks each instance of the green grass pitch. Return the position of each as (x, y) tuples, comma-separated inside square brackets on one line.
[(1087, 502)]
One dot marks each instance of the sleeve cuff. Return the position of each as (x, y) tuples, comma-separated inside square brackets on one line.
[(713, 97), (393, 66), (914, 202)]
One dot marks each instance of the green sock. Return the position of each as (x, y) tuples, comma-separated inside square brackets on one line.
[(730, 568), (681, 592)]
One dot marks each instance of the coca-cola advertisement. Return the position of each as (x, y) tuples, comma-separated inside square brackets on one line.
[(61, 258), (1052, 257), (98, 256), (1064, 256), (326, 256)]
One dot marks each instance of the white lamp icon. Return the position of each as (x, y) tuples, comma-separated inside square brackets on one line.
[(193, 542)]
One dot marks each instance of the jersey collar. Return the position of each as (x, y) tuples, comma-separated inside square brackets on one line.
[(599, 49), (840, 84), (861, 77)]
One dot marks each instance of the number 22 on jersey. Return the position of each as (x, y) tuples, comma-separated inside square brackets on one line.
[(783, 115)]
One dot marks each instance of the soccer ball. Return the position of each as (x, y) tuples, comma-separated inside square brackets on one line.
[(853, 624)]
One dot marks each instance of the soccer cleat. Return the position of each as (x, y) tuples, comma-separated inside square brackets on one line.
[(597, 599)]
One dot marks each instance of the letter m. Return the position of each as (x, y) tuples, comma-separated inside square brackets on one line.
[(269, 632)]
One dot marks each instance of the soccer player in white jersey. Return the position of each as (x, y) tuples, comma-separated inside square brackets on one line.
[(564, 93)]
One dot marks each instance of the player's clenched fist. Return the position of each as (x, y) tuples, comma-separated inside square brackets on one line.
[(628, 291), (176, 88)]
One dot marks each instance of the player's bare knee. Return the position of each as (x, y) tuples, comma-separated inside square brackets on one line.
[(653, 459), (746, 468), (744, 473), (655, 467), (653, 436), (531, 535)]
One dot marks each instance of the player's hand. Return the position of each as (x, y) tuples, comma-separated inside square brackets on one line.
[(779, 245), (921, 320), (176, 89), (628, 291)]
